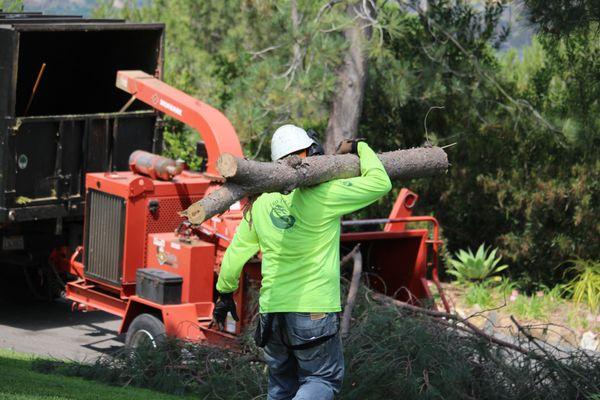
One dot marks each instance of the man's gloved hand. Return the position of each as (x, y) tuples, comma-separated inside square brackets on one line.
[(224, 305), (348, 146)]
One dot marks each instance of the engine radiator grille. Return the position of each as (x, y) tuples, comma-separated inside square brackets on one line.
[(167, 219), (105, 225)]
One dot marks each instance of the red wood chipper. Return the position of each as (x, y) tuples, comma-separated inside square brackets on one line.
[(140, 263)]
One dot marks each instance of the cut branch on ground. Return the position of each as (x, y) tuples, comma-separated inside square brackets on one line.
[(387, 342), (466, 325), (352, 290)]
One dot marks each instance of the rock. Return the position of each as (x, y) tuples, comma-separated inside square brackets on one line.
[(589, 341)]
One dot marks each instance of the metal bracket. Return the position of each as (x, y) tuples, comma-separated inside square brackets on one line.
[(140, 185)]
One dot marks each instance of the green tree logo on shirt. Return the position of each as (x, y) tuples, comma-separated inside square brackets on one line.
[(280, 217)]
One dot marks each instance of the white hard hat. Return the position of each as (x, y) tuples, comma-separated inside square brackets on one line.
[(289, 139)]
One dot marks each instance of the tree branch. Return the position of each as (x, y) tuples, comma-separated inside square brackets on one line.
[(353, 290), (468, 325)]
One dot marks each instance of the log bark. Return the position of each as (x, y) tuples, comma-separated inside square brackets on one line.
[(247, 177)]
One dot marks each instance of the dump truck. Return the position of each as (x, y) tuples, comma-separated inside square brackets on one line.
[(61, 118)]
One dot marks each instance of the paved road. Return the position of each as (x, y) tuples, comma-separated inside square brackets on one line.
[(52, 329)]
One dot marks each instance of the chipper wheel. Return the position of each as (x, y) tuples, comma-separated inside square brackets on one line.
[(145, 330)]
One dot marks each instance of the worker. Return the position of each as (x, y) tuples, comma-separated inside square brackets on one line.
[(299, 234)]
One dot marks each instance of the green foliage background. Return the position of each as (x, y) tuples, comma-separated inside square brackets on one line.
[(525, 170), (11, 5)]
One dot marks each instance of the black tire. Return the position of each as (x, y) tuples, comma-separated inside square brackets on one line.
[(145, 330)]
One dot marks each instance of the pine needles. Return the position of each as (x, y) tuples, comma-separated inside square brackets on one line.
[(390, 353)]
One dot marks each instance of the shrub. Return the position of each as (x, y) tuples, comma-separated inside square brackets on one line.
[(529, 307), (584, 287), (479, 294)]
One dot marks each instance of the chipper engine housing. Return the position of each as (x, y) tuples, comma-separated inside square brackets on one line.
[(130, 224)]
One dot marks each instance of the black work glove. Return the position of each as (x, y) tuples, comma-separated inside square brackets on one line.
[(224, 305), (348, 146)]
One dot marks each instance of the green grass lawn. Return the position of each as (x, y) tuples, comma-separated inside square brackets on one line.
[(18, 381)]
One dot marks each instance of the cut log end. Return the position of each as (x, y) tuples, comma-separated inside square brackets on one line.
[(195, 213), (227, 165)]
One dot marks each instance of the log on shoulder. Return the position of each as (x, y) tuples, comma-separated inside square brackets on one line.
[(247, 177)]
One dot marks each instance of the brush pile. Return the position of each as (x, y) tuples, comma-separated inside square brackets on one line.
[(391, 352)]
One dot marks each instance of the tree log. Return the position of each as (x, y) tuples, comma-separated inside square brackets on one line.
[(247, 177)]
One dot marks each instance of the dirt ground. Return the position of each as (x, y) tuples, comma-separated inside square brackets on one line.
[(52, 329)]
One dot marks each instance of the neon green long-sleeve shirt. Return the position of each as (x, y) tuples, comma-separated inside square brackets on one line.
[(299, 236)]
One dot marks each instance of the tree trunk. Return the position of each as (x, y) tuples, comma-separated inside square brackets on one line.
[(351, 76), (247, 177)]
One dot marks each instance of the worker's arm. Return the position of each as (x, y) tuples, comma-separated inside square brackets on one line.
[(243, 246), (343, 196)]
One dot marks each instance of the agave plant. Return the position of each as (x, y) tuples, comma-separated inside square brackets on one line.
[(466, 266)]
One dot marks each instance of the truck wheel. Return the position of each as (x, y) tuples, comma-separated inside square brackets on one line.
[(145, 330)]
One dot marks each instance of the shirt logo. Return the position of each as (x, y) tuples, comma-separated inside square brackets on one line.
[(281, 218)]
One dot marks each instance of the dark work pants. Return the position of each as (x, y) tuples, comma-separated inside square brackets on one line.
[(314, 373)]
